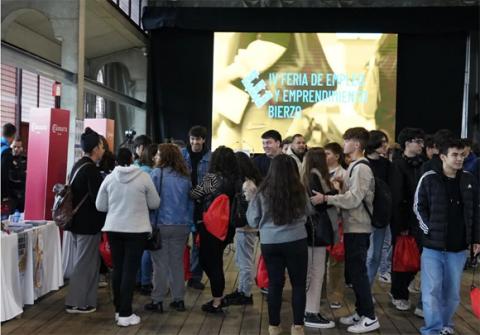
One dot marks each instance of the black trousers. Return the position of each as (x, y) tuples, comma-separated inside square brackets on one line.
[(294, 257), (127, 250), (211, 260), (356, 247)]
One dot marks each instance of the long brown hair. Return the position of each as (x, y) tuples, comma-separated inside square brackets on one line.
[(316, 159), (170, 156), (285, 194)]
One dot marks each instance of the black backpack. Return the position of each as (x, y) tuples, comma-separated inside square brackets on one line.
[(382, 201), (238, 208)]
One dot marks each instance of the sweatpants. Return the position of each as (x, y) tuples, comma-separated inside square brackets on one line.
[(294, 257), (83, 285), (244, 259), (211, 259), (315, 274), (168, 263), (127, 250)]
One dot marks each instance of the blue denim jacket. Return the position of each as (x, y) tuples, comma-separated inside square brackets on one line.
[(176, 207), (202, 167)]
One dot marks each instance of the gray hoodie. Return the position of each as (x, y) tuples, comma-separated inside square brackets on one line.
[(127, 195)]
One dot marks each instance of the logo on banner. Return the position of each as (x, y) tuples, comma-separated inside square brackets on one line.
[(56, 129), (255, 90)]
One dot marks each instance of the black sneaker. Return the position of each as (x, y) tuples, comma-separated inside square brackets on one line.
[(209, 308), (196, 284), (79, 310), (317, 321), (179, 306), (154, 307), (237, 298)]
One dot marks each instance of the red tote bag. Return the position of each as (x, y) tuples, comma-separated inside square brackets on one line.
[(105, 251), (187, 274), (262, 275), (337, 251), (406, 256), (475, 297), (217, 218)]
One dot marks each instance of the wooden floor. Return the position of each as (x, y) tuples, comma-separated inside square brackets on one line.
[(47, 316)]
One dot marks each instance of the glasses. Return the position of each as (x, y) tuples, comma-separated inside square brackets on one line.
[(417, 140)]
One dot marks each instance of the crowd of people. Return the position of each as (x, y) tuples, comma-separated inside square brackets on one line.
[(301, 203)]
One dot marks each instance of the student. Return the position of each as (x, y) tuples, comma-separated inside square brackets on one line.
[(245, 237), (336, 268), (376, 151), (357, 228), (197, 156), (85, 227), (317, 177), (173, 218), (221, 179), (271, 140), (406, 172), (447, 208), (297, 149), (127, 195), (279, 211)]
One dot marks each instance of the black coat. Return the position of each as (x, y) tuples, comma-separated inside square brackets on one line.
[(87, 220), (431, 207), (404, 176)]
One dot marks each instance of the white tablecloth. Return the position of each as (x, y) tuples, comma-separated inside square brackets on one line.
[(31, 267)]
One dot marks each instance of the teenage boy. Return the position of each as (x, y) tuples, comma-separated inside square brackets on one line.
[(447, 208), (297, 149), (404, 176), (271, 141), (360, 187), (197, 157)]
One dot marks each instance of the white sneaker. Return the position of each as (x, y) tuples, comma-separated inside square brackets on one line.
[(418, 312), (447, 331), (116, 317), (335, 305), (350, 320), (385, 278), (128, 320), (365, 325), (401, 304)]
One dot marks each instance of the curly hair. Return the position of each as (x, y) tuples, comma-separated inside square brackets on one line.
[(224, 163), (170, 156), (285, 194), (247, 169)]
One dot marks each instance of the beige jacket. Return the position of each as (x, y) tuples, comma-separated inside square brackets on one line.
[(360, 186)]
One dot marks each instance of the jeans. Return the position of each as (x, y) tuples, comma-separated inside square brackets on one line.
[(386, 260), (441, 280), (356, 247), (146, 269), (195, 267), (244, 258), (294, 257), (374, 255), (127, 250)]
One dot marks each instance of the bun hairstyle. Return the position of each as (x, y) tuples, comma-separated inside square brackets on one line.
[(89, 140)]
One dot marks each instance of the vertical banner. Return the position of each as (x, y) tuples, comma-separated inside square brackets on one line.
[(47, 160), (104, 127)]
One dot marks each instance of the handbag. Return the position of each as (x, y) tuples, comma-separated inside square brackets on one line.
[(319, 226), (154, 241), (337, 251), (261, 278), (406, 256), (106, 251)]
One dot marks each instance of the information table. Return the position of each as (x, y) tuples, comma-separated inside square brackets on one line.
[(31, 267)]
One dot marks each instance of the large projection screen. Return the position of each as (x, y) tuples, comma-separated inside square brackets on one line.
[(315, 84)]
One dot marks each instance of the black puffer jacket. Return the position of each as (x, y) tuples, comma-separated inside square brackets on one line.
[(431, 208)]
